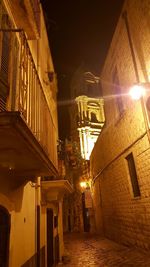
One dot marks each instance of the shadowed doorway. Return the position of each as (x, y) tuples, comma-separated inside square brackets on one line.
[(4, 236), (50, 247)]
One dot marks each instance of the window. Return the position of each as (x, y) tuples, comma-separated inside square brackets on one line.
[(118, 92), (93, 117), (55, 221), (133, 175)]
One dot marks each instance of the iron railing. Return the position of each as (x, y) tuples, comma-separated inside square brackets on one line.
[(25, 92)]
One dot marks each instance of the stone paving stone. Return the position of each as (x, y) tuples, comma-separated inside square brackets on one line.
[(86, 250)]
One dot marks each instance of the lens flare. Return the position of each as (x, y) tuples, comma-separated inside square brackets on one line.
[(136, 92)]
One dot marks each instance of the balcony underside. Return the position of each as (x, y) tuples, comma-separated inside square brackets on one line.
[(53, 191), (21, 155)]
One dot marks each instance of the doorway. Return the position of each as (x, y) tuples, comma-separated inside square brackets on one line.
[(85, 212), (50, 241), (4, 236)]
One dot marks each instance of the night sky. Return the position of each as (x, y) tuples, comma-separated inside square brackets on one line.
[(79, 31)]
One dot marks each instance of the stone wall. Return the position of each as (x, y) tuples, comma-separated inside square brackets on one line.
[(119, 214)]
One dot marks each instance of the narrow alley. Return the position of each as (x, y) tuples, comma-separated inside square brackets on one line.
[(89, 250), (74, 133)]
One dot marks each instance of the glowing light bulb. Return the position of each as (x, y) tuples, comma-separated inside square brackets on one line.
[(137, 91), (83, 184)]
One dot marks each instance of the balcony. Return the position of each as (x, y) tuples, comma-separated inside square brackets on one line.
[(27, 16), (53, 191), (27, 130)]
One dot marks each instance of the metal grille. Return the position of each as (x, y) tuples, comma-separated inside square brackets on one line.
[(5, 56), (2, 104), (5, 45), (15, 59)]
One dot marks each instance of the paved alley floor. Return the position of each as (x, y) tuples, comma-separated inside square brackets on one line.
[(87, 250)]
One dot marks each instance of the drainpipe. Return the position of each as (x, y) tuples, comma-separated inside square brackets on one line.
[(38, 218), (125, 17)]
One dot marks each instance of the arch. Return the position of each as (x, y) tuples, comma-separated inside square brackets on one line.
[(6, 202), (93, 104)]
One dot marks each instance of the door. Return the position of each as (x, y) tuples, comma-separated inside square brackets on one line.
[(4, 236), (50, 246), (85, 212)]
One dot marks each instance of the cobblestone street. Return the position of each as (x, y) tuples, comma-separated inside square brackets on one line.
[(92, 251)]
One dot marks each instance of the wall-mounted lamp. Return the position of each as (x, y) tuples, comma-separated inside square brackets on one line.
[(137, 91), (83, 185), (140, 91)]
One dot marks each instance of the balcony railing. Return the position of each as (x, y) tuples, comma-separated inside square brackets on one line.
[(22, 90)]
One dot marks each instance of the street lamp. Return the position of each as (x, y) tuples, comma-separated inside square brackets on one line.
[(138, 92), (83, 185)]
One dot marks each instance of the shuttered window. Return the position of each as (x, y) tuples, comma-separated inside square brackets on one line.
[(133, 175)]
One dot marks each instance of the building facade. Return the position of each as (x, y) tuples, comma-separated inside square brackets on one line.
[(121, 157), (86, 121), (90, 122), (30, 193)]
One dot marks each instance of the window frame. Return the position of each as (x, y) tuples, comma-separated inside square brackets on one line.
[(133, 175)]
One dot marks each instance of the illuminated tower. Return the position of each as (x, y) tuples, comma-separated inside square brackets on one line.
[(86, 121), (87, 113), (90, 122)]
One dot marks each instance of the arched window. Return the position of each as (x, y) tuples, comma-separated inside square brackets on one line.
[(93, 117)]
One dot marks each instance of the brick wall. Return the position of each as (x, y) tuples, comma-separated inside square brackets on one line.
[(118, 213)]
